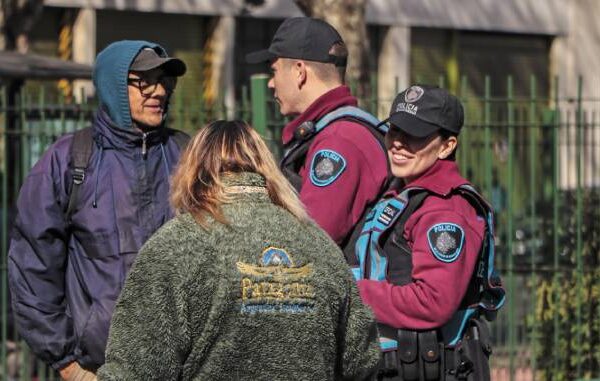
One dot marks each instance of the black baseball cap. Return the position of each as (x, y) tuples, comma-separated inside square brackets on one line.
[(303, 38), (421, 110), (148, 59)]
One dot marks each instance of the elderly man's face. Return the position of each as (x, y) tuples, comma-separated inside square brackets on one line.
[(148, 95)]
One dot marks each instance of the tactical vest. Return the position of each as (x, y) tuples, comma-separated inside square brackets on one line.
[(295, 152), (382, 253)]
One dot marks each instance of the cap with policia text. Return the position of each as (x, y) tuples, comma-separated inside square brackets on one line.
[(302, 38), (421, 110), (148, 59)]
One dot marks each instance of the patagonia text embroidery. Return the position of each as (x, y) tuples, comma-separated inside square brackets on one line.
[(275, 285)]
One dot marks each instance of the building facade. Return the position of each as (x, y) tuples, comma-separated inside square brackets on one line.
[(411, 40), (454, 43)]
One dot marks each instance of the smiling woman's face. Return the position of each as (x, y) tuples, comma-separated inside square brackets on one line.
[(410, 157)]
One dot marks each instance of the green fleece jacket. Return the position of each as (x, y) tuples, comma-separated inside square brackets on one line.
[(265, 298)]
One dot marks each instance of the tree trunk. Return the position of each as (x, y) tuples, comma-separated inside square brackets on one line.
[(348, 17)]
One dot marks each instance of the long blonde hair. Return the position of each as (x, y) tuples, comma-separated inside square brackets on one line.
[(224, 147)]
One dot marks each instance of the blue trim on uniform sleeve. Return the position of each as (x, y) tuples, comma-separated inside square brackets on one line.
[(346, 111), (453, 331), (387, 344), (491, 246)]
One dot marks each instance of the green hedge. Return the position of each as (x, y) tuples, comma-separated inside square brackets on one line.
[(566, 321)]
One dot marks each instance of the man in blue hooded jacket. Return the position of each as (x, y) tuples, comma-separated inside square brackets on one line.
[(66, 270)]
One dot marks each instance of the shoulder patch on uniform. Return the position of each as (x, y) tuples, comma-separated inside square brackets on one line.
[(446, 241), (326, 167)]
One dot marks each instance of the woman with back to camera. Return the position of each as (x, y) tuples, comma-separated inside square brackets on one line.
[(417, 250), (241, 285)]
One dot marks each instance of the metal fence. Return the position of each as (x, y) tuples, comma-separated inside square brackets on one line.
[(535, 157)]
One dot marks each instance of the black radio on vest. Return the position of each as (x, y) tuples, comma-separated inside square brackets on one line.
[(304, 130)]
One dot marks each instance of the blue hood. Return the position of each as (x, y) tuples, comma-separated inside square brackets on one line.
[(110, 77)]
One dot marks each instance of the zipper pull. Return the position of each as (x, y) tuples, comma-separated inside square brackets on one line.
[(144, 148)]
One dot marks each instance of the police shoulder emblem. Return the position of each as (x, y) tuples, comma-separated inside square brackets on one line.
[(326, 167), (446, 241)]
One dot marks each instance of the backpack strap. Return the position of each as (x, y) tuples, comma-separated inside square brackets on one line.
[(417, 196), (485, 294), (308, 130), (80, 152), (359, 115), (488, 285)]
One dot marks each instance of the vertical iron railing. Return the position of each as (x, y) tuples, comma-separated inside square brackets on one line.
[(533, 197), (259, 95), (555, 225), (510, 288), (4, 238), (578, 211)]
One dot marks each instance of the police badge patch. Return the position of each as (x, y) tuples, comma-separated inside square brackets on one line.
[(326, 167), (446, 241)]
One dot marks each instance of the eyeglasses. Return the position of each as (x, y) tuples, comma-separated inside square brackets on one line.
[(147, 86)]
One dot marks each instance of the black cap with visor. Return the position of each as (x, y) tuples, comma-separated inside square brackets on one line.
[(302, 38), (148, 59), (422, 110)]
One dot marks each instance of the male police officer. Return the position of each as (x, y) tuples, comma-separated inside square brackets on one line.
[(333, 156), (79, 227)]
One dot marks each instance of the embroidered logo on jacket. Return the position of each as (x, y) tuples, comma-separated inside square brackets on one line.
[(275, 284), (326, 167), (446, 241)]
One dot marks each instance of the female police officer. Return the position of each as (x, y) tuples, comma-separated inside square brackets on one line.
[(417, 251)]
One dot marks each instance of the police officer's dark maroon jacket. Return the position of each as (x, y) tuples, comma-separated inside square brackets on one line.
[(339, 205), (437, 287)]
